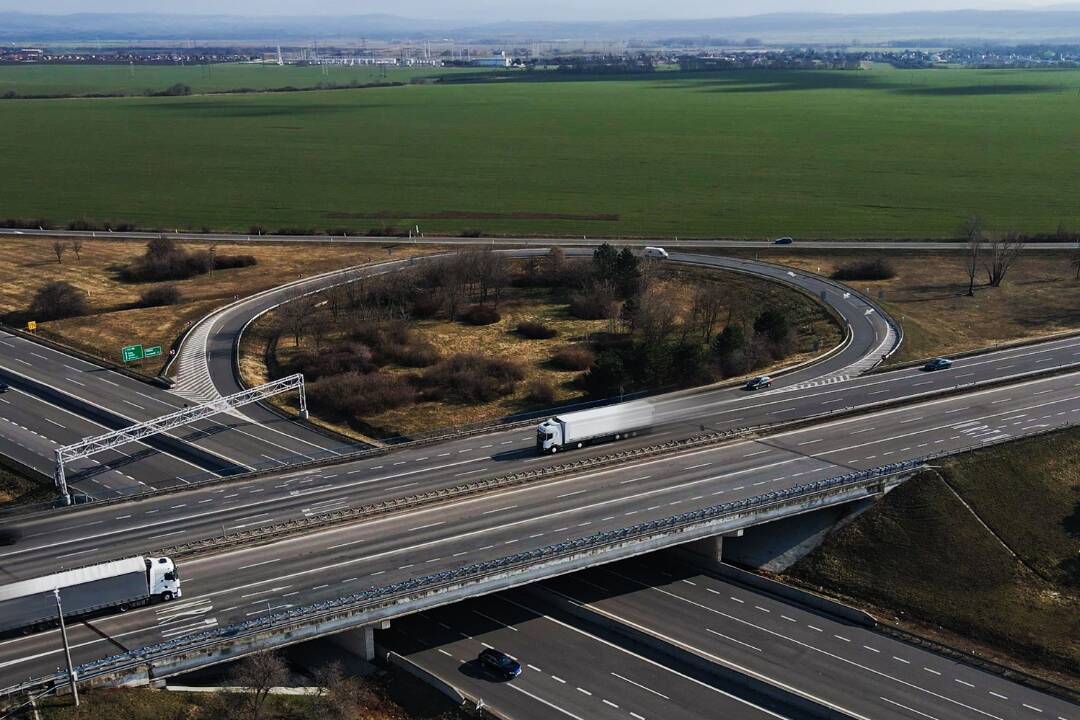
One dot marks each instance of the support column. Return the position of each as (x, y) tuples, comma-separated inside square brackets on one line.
[(710, 548), (360, 641)]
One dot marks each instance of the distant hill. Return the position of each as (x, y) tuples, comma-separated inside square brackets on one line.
[(1060, 23)]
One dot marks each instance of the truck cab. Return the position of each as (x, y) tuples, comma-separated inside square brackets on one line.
[(548, 437), (163, 579)]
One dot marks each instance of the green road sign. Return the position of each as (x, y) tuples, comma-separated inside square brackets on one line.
[(131, 353), (152, 351)]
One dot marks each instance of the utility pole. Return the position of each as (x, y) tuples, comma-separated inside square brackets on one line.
[(67, 649)]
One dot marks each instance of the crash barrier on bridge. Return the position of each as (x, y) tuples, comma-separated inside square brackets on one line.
[(266, 533), (428, 678), (396, 596), (756, 687)]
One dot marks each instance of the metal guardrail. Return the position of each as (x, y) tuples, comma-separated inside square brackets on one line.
[(380, 596)]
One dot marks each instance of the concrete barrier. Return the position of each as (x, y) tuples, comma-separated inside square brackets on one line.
[(400, 661), (797, 703)]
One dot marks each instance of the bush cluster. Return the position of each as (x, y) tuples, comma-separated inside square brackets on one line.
[(540, 390), (573, 357), (470, 378), (161, 295), (395, 342), (351, 357), (164, 259), (481, 315), (58, 300), (356, 394), (876, 269), (536, 331)]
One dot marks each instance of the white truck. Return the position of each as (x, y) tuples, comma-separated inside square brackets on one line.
[(612, 422), (30, 605)]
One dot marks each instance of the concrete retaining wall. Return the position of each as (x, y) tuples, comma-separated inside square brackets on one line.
[(400, 661)]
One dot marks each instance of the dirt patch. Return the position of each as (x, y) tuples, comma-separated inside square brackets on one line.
[(469, 215)]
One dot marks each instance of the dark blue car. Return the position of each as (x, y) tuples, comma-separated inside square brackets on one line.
[(499, 664), (937, 364)]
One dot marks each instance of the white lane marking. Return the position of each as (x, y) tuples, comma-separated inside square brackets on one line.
[(264, 562), (728, 637), (643, 687), (905, 707)]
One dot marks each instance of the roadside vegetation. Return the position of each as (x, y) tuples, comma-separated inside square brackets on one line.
[(393, 695), (99, 295), (997, 574), (478, 336), (877, 153), (927, 293)]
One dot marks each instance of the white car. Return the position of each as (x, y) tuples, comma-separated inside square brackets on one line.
[(658, 253)]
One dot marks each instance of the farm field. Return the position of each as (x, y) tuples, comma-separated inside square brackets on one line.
[(38, 80), (880, 153)]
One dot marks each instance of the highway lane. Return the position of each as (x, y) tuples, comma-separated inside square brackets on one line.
[(855, 669), (234, 439), (598, 678), (209, 511), (31, 429), (807, 244), (299, 570)]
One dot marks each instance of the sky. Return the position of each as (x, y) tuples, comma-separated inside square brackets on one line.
[(497, 10)]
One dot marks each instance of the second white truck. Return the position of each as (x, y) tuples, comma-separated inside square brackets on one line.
[(612, 422)]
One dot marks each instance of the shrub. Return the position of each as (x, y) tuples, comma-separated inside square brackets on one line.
[(81, 225), (164, 259), (573, 357), (57, 300), (595, 303), (470, 378), (877, 269), (607, 377), (540, 391), (536, 331), (160, 295), (396, 342), (470, 233), (350, 357), (426, 305), (295, 231), (353, 394), (481, 315)]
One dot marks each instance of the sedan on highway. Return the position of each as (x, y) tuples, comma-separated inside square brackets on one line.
[(4, 387), (758, 383), (937, 364), (783, 241), (499, 664)]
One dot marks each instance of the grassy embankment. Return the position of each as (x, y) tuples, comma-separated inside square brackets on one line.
[(27, 264), (829, 154), (921, 557), (77, 80), (815, 332), (928, 296)]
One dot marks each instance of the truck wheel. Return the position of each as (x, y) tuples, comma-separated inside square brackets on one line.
[(554, 449), (580, 445), (123, 608), (166, 596)]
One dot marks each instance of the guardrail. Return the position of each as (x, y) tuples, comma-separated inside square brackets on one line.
[(395, 593)]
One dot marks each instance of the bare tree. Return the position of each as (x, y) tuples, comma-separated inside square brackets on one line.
[(1004, 252), (973, 231), (259, 674), (294, 314), (59, 247), (553, 264), (1075, 260), (76, 245), (708, 304)]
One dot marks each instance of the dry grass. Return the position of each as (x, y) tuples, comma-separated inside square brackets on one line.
[(928, 296), (27, 264)]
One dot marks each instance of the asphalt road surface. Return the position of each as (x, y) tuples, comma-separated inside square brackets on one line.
[(223, 589)]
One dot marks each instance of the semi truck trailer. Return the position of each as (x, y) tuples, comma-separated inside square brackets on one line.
[(575, 430), (29, 605)]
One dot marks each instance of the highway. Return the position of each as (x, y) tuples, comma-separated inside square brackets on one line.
[(226, 588), (848, 668), (807, 244), (854, 669), (202, 512), (569, 670), (228, 442)]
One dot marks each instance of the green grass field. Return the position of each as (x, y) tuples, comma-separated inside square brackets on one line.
[(41, 80), (880, 153)]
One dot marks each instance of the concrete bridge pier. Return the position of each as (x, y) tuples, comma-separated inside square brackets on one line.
[(360, 641), (710, 548)]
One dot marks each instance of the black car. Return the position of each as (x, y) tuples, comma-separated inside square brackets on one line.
[(758, 383), (499, 664), (783, 241), (937, 364), (4, 387)]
